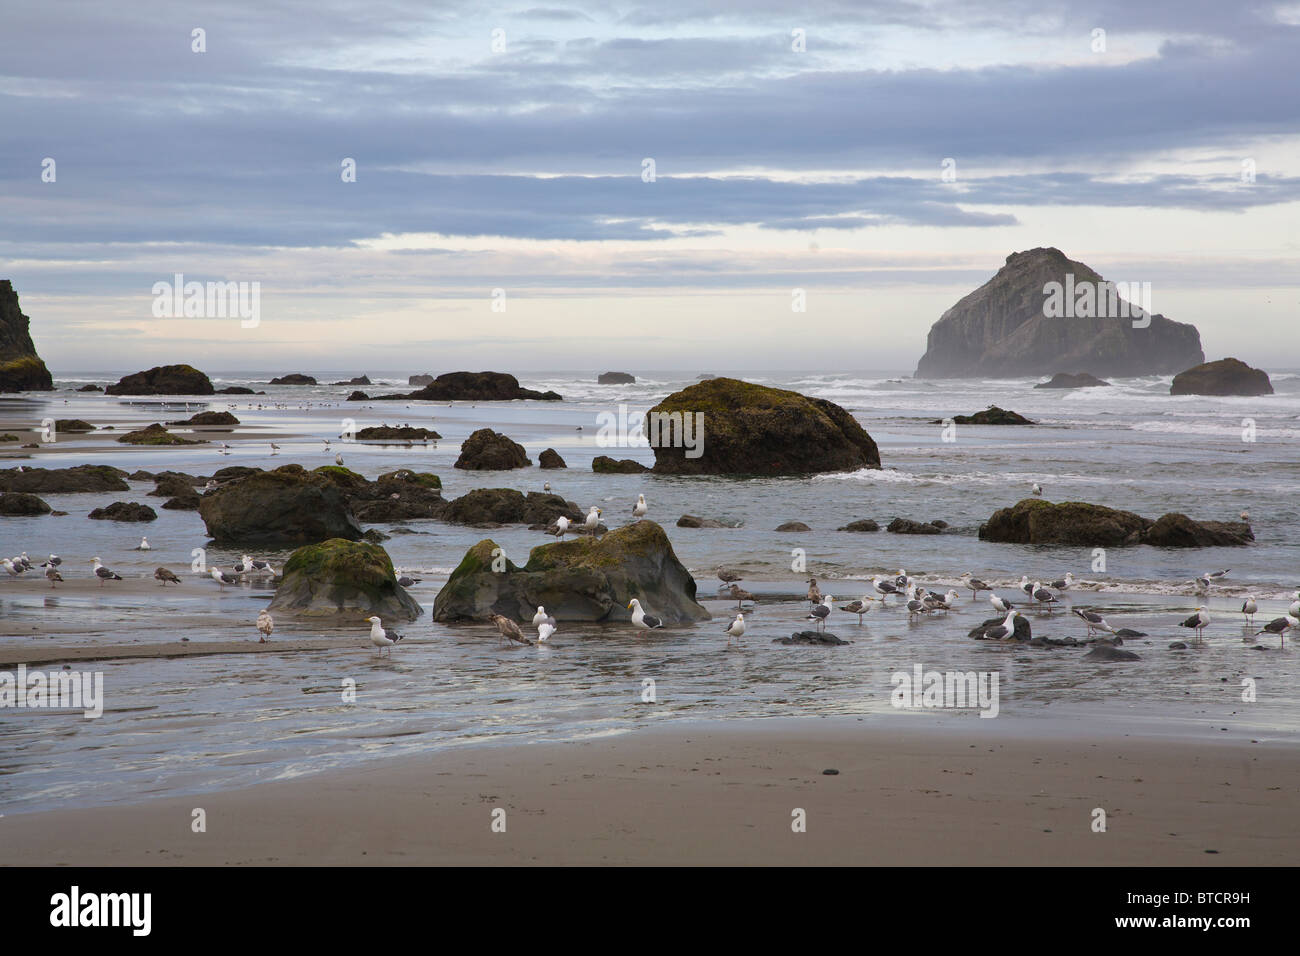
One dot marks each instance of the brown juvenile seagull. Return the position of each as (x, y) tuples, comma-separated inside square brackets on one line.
[(265, 624), (740, 594), (509, 629), (166, 577), (814, 592)]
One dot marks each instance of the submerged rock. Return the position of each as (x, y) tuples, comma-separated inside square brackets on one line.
[(1004, 330), (908, 526), (339, 577), (72, 425), (156, 434), (823, 638), (163, 380), (1075, 380), (1106, 652), (798, 526), (486, 450), (124, 511), (209, 418), (990, 416), (575, 580), (743, 429), (694, 521), (864, 524), (604, 465), (1227, 376)]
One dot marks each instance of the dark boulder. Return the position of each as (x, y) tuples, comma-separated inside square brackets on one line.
[(156, 434), (908, 526), (359, 396), (1022, 631), (183, 502), (124, 511), (820, 638), (420, 380), (163, 380), (287, 506), (343, 578), (19, 504), (693, 521), (473, 387), (744, 429), (396, 433), (91, 387), (494, 506), (1075, 380), (1227, 376), (615, 378), (170, 486), (294, 378), (237, 390), (1106, 652), (990, 416), (74, 480), (72, 425), (486, 450), (231, 472), (604, 465), (209, 418), (1176, 530), (1036, 521), (359, 380), (793, 526), (550, 459), (865, 524), (583, 579), (402, 495)]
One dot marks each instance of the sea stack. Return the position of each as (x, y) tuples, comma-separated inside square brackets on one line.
[(21, 369), (1044, 311), (1227, 376)]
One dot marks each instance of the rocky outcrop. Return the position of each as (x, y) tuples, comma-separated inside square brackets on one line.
[(359, 380), (288, 506), (604, 465), (575, 580), (495, 506), (397, 433), (124, 511), (486, 450), (739, 428), (694, 521), (792, 526), (992, 416), (865, 524), (18, 504), (66, 425), (1002, 329), (550, 459), (816, 638), (908, 526), (1022, 631), (156, 434), (21, 369), (1035, 521), (1075, 380), (343, 578), (402, 495), (163, 380), (237, 390), (471, 387), (615, 378), (64, 481), (420, 380), (1227, 376), (297, 378), (209, 418), (91, 387)]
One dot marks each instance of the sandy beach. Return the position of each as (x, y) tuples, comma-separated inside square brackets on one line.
[(702, 794)]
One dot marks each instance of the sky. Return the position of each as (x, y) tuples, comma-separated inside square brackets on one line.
[(882, 156)]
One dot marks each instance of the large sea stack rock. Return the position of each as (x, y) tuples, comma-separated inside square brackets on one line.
[(1227, 376), (470, 387), (163, 380), (486, 450), (615, 378), (342, 578), (287, 506), (297, 378), (747, 429), (21, 369), (1000, 330), (580, 580)]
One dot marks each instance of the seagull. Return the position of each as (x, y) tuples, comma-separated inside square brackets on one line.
[(222, 578), (639, 509), (814, 592), (1025, 585), (381, 638), (560, 528), (265, 625), (883, 588), (53, 562), (1200, 621), (1249, 607), (13, 569), (546, 486), (902, 580), (641, 620), (593, 520), (52, 575), (406, 581), (144, 545), (1005, 630), (1244, 516), (1294, 609), (729, 576), (1094, 621), (327, 443), (859, 607), (821, 612), (210, 486), (275, 449), (166, 577), (1280, 626), (1036, 488), (740, 594), (736, 628), (544, 631), (508, 629), (263, 567), (23, 561), (338, 460), (1001, 604), (915, 606), (1043, 596), (1210, 577), (1064, 583), (103, 573), (975, 585)]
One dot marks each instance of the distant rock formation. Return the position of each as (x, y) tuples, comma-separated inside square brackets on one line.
[(297, 378), (466, 387), (1003, 330), (1077, 380), (993, 415), (420, 380), (1078, 523), (1227, 376), (615, 378), (21, 369), (163, 380)]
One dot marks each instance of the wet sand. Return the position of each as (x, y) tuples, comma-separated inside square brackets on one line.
[(907, 793)]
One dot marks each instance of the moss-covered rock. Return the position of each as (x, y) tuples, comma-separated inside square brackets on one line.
[(582, 579), (486, 450), (21, 369), (209, 418), (992, 416), (397, 433), (1036, 521), (604, 465), (287, 506), (74, 480), (1176, 530), (19, 504), (343, 578), (163, 380), (156, 434), (72, 425), (752, 429)]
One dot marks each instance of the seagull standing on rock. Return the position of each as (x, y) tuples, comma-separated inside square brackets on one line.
[(593, 520), (1004, 631), (821, 612)]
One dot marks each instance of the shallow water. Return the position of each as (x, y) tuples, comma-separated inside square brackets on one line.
[(202, 722)]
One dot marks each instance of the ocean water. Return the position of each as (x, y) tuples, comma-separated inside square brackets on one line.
[(194, 724)]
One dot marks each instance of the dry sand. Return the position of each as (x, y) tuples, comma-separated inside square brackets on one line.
[(907, 793)]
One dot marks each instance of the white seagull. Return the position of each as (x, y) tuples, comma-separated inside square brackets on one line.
[(222, 578), (381, 638), (1199, 621), (544, 630), (641, 620), (144, 545), (103, 573), (975, 585), (265, 625), (1036, 488), (1004, 630), (593, 519), (1000, 604), (1249, 608), (1280, 626), (639, 509), (736, 628)]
